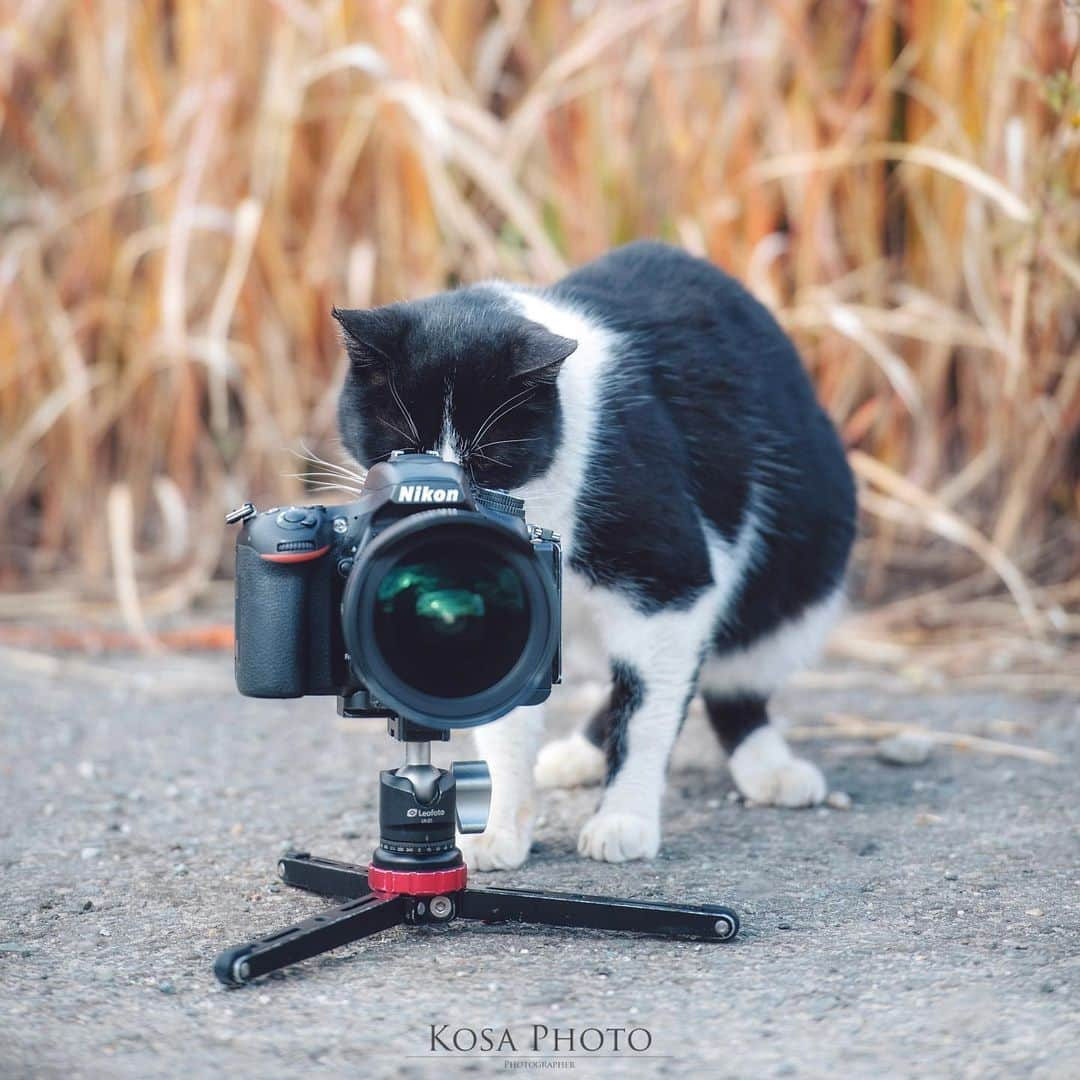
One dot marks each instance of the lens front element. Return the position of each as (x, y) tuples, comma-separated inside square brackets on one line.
[(450, 620)]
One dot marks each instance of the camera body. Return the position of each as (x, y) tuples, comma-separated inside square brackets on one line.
[(424, 598)]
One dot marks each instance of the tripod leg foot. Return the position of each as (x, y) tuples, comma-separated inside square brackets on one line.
[(229, 968), (705, 922), (329, 930)]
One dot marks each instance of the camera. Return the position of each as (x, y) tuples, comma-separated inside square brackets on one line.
[(425, 598)]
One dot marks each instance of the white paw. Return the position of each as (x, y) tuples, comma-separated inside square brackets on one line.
[(618, 837), (570, 762), (798, 783), (766, 772), (496, 848)]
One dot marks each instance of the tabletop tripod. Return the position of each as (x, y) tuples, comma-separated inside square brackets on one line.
[(417, 876)]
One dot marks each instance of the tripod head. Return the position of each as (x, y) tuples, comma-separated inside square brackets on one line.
[(421, 808)]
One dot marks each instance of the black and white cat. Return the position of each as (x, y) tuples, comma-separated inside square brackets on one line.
[(650, 410)]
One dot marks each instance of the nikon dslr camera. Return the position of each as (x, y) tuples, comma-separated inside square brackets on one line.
[(425, 598)]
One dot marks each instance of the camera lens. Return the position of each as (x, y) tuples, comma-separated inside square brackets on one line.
[(451, 619)]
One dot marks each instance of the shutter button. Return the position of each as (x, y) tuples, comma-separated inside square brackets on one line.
[(293, 518)]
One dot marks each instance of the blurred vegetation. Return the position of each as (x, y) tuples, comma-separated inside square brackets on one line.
[(186, 188)]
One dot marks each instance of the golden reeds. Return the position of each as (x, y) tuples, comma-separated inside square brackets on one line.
[(187, 187)]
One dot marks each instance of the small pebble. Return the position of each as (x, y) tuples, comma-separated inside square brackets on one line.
[(166, 987), (88, 853), (950, 875), (907, 748), (838, 800)]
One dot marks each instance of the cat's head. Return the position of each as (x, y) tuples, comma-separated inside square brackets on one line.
[(463, 373)]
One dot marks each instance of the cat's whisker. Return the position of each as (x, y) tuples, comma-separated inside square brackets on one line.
[(345, 453), (310, 456), (333, 487), (496, 414), (317, 480), (409, 440), (404, 411), (324, 477), (518, 400), (503, 442), (344, 474), (483, 423), (494, 461)]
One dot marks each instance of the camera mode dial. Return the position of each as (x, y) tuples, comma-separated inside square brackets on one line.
[(291, 534)]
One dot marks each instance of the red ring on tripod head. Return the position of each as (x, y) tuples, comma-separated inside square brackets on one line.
[(416, 882)]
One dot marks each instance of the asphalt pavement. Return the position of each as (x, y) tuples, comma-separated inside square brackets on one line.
[(932, 929)]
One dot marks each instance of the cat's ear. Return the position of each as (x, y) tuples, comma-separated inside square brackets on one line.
[(539, 354), (370, 335)]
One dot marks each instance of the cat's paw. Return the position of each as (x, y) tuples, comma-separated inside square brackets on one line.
[(610, 836), (766, 772), (570, 762), (497, 848), (797, 783)]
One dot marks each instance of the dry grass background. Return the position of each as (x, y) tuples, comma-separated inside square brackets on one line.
[(187, 187)]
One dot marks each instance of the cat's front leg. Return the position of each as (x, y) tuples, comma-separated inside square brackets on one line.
[(509, 746), (654, 670)]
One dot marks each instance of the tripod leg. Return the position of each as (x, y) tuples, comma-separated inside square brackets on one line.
[(324, 876), (335, 927), (707, 922)]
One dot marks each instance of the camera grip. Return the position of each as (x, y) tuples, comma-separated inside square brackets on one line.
[(271, 606)]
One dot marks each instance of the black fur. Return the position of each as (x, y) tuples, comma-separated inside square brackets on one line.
[(606, 728), (733, 718)]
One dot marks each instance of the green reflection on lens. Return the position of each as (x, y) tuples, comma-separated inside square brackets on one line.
[(450, 608), (452, 620)]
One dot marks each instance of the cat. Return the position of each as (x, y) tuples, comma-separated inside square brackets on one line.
[(653, 412)]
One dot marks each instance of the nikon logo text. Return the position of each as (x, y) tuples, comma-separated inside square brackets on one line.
[(421, 493)]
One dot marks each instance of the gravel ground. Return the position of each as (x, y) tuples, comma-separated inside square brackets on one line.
[(930, 930)]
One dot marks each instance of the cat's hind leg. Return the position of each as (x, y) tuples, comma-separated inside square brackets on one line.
[(762, 765), (736, 684), (577, 760)]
